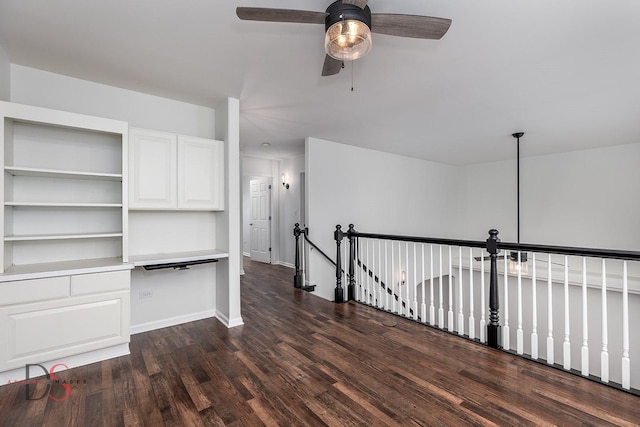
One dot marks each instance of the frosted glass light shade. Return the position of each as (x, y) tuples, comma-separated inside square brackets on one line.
[(347, 40)]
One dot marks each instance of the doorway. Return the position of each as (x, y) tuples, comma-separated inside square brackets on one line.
[(260, 219)]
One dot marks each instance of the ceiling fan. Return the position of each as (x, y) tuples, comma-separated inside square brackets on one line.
[(348, 27)]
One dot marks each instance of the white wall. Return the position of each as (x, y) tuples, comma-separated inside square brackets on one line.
[(290, 207), (5, 76), (582, 198), (45, 89), (377, 192)]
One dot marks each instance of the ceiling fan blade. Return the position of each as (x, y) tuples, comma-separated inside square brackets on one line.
[(280, 15), (416, 26), (331, 66), (360, 3)]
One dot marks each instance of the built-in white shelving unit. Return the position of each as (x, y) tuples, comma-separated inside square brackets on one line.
[(65, 235), (65, 187)]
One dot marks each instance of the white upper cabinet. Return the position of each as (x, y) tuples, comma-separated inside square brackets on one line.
[(169, 171), (153, 167), (200, 178)]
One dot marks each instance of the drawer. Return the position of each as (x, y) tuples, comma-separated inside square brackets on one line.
[(96, 283), (22, 291), (47, 330)]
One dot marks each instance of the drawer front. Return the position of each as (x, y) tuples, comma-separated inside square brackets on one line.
[(94, 283), (23, 291), (38, 332)]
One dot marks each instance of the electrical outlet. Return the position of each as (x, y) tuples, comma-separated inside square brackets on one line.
[(148, 293)]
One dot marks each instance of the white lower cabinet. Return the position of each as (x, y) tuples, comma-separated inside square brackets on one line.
[(50, 318)]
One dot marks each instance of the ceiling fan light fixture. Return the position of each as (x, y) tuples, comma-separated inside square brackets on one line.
[(348, 40), (347, 31)]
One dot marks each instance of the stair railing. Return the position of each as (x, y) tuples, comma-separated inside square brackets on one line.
[(609, 278)]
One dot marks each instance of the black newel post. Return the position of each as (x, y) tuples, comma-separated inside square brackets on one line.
[(351, 288), (339, 235), (493, 329), (297, 279)]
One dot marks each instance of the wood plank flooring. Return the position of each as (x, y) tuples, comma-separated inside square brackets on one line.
[(300, 360)]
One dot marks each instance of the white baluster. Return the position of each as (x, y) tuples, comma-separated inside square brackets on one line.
[(415, 283), (393, 279), (423, 306), (566, 348), (483, 321), (506, 335), (550, 355), (534, 303), (431, 284), (472, 321), (460, 299), (407, 305), (519, 332), (626, 361), (386, 276), (368, 273), (585, 321), (450, 312), (374, 287), (379, 285), (432, 309), (440, 296), (604, 354)]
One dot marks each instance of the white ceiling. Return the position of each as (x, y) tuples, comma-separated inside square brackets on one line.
[(567, 72)]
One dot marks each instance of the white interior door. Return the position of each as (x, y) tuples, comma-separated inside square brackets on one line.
[(260, 225)]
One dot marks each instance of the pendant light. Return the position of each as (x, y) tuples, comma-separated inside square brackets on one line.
[(514, 263)]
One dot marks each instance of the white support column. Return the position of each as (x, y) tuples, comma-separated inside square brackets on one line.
[(566, 347), (550, 355), (440, 297), (483, 321), (472, 321), (626, 361), (460, 294), (534, 314), (585, 322), (519, 331), (604, 354), (506, 335)]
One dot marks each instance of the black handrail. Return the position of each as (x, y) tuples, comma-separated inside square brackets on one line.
[(306, 237), (417, 239), (572, 251)]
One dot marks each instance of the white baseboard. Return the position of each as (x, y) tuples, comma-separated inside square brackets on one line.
[(247, 254), (172, 321), (229, 323), (286, 264), (242, 272), (70, 361)]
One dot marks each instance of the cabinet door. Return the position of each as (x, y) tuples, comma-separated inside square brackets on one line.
[(152, 170), (200, 174)]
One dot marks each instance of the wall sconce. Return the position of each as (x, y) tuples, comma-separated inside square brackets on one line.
[(403, 278), (284, 184)]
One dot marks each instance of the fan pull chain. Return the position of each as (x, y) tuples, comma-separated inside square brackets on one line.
[(352, 67)]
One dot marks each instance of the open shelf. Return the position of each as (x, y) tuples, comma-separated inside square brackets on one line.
[(64, 174), (63, 205), (24, 238)]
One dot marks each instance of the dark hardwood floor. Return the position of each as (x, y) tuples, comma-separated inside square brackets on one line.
[(300, 360)]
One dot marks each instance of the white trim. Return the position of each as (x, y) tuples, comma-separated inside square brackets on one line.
[(172, 321), (247, 254), (71, 362), (229, 323), (242, 272), (286, 264)]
